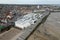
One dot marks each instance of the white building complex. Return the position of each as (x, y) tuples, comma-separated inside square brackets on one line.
[(27, 20)]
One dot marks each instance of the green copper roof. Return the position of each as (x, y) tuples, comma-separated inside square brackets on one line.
[(1, 27)]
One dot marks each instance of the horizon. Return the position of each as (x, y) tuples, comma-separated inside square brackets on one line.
[(29, 1)]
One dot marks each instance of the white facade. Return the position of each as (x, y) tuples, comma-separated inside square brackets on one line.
[(26, 21)]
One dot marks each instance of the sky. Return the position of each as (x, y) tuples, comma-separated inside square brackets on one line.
[(29, 1)]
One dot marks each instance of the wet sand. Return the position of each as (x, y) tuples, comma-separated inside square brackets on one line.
[(50, 30), (10, 34)]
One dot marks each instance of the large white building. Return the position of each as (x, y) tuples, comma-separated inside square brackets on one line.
[(27, 20)]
